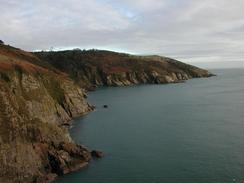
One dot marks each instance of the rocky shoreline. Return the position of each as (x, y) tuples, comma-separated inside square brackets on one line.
[(35, 104), (35, 127)]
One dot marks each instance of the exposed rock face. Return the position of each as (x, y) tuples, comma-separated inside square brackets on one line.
[(34, 105)]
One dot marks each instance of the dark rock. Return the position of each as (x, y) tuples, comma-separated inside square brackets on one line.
[(105, 106), (92, 107), (66, 157), (66, 124), (96, 154), (92, 88)]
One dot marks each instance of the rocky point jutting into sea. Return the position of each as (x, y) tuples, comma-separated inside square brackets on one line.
[(41, 92)]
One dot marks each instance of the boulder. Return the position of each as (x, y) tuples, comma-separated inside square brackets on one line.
[(96, 154)]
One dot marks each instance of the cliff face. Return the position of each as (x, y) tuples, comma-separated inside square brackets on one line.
[(35, 103), (104, 68)]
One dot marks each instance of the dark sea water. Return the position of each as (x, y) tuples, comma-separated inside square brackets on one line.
[(191, 132)]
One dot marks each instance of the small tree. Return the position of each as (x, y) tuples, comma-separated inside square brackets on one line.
[(1, 42)]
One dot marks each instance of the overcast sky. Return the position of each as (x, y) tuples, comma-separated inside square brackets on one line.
[(190, 30)]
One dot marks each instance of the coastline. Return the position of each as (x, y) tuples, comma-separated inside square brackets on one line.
[(39, 100)]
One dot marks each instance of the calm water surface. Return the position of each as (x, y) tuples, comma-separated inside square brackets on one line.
[(181, 133)]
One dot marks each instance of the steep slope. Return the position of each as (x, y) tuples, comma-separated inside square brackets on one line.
[(35, 102), (96, 68)]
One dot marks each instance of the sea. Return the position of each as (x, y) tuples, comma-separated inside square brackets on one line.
[(190, 132)]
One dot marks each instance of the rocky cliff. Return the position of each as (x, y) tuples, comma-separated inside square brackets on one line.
[(41, 92), (104, 68), (35, 104)]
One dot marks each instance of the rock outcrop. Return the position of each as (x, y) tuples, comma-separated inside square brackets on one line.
[(96, 154)]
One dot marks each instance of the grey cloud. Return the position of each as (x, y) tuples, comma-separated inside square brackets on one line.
[(191, 30)]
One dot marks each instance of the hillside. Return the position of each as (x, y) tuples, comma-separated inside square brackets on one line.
[(41, 92), (104, 68)]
